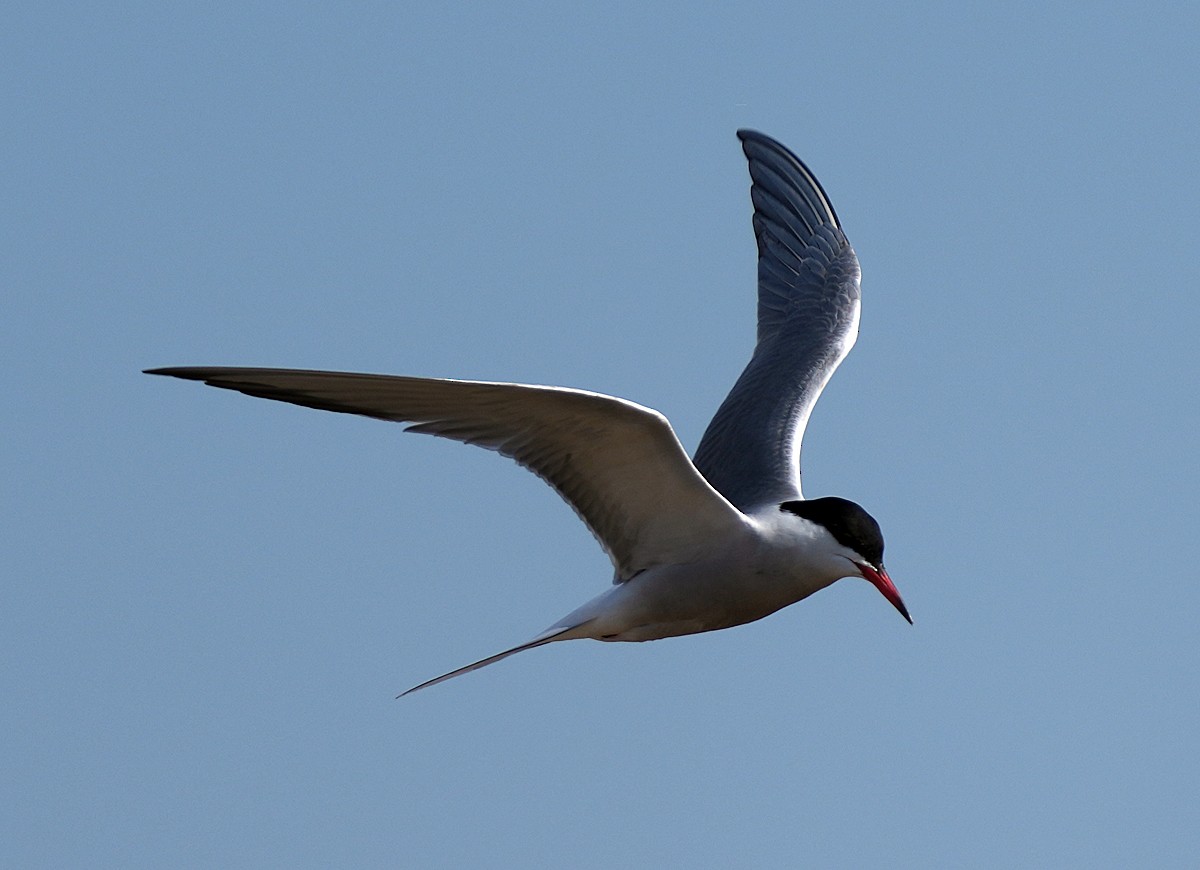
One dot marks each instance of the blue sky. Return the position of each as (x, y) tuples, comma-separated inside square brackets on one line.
[(210, 601)]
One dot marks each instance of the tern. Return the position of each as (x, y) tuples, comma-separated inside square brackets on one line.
[(696, 544)]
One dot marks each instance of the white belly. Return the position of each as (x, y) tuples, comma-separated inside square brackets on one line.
[(672, 600)]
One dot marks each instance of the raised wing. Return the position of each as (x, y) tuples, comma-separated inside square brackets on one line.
[(618, 464), (808, 303)]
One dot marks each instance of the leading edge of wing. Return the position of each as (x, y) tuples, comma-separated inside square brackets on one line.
[(618, 464)]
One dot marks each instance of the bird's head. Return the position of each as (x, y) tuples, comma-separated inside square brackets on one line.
[(858, 537)]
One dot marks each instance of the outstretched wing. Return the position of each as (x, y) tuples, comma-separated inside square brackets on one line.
[(618, 464), (808, 304)]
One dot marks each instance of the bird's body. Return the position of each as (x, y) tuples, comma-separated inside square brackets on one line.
[(696, 546), (742, 578)]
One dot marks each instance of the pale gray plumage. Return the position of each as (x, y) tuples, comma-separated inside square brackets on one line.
[(600, 453), (808, 304), (695, 546)]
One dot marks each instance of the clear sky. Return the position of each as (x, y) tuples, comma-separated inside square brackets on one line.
[(209, 601)]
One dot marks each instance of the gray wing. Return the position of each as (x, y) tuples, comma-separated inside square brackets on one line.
[(808, 303), (618, 464)]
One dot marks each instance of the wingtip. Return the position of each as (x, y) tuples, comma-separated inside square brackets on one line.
[(753, 139), (188, 374)]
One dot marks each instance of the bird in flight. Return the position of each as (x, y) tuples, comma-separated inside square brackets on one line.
[(696, 544)]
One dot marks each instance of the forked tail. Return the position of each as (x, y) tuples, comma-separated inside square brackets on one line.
[(547, 636)]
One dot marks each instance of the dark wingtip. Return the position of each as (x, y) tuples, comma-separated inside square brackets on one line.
[(177, 372), (748, 136)]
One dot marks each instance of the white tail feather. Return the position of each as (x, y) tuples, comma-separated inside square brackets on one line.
[(548, 636)]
